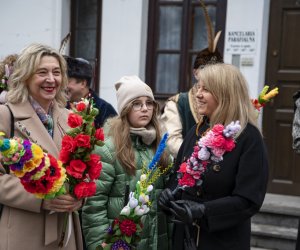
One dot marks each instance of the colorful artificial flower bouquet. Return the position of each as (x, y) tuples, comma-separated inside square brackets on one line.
[(44, 176), (264, 97), (124, 233), (209, 149), (81, 165), (40, 173)]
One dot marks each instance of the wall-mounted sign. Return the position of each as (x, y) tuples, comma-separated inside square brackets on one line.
[(241, 42)]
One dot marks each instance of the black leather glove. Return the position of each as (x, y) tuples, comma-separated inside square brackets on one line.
[(187, 211), (165, 198)]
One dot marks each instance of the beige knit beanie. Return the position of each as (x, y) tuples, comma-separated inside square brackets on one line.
[(129, 88)]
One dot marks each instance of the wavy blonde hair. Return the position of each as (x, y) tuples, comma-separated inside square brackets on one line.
[(227, 84), (26, 65), (120, 131)]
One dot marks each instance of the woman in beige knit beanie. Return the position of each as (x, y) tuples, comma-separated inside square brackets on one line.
[(131, 140)]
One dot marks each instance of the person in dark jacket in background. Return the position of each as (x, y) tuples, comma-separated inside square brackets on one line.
[(80, 74), (217, 213), (296, 123)]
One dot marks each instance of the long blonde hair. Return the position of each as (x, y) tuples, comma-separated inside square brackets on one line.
[(120, 131), (26, 65), (227, 84)]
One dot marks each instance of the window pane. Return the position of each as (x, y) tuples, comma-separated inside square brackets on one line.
[(170, 27), (87, 13), (200, 31), (167, 73), (86, 44)]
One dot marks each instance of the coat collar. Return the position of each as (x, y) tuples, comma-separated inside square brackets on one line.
[(29, 125)]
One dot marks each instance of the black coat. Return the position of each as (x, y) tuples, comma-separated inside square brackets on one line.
[(106, 110), (231, 193)]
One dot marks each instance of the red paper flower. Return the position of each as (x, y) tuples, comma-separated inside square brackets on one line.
[(187, 180), (94, 159), (217, 141), (182, 168), (229, 145), (85, 189), (42, 185), (76, 168), (99, 134), (127, 227), (218, 129), (64, 156), (74, 120), (54, 168), (83, 141), (94, 171), (68, 143), (80, 106)]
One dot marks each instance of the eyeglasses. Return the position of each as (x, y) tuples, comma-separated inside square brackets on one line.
[(137, 106)]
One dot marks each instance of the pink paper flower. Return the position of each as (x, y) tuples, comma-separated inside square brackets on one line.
[(209, 149)]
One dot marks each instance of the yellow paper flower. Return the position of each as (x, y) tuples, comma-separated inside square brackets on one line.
[(265, 97), (18, 173), (41, 173), (30, 165), (37, 151)]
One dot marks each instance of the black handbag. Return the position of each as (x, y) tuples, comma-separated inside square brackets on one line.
[(12, 128)]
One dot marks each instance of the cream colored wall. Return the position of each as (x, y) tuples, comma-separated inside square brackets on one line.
[(124, 35), (245, 15), (123, 44), (25, 22)]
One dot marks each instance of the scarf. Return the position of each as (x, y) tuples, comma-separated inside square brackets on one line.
[(147, 134), (45, 118)]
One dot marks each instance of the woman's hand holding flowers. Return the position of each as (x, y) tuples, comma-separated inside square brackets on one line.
[(62, 203), (165, 198), (186, 211)]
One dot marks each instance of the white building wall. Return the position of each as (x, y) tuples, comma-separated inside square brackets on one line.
[(124, 35), (25, 22), (245, 16), (123, 44)]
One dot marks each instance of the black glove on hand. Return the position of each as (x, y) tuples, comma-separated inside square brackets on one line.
[(187, 211), (165, 198)]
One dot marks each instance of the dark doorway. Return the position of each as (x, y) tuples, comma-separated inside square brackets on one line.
[(283, 71)]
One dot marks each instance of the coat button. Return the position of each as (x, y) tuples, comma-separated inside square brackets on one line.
[(216, 168)]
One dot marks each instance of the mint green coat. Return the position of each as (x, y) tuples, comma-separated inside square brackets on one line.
[(112, 188)]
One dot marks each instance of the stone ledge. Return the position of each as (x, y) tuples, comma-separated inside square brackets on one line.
[(281, 204), (259, 248), (274, 231)]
